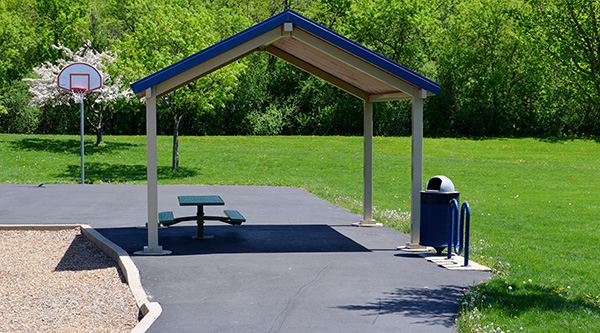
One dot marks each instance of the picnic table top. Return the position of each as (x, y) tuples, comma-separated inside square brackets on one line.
[(200, 200)]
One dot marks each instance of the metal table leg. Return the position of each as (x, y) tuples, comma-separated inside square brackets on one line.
[(200, 224)]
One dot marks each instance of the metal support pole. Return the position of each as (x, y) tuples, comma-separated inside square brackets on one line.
[(417, 167), (152, 175), (82, 140), (368, 164), (368, 220)]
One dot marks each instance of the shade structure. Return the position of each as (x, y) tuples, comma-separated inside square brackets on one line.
[(319, 51)]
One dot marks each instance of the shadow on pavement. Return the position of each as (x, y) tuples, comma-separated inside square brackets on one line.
[(418, 303), (238, 239)]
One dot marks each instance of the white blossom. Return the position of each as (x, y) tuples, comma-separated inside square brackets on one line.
[(45, 89)]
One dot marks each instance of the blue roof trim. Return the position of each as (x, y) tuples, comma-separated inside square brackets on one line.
[(209, 53), (271, 23)]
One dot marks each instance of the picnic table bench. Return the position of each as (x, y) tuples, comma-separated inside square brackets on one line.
[(231, 216)]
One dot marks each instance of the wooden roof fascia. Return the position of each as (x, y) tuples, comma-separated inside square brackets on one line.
[(317, 72), (218, 61), (353, 61)]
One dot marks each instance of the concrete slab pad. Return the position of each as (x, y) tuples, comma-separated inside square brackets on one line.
[(456, 262)]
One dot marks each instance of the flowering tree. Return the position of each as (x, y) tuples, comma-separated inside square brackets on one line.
[(46, 91)]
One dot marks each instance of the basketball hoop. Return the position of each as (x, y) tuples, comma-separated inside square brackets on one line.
[(79, 90), (78, 94), (80, 78)]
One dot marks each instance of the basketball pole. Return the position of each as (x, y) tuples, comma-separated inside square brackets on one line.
[(82, 170), (80, 78)]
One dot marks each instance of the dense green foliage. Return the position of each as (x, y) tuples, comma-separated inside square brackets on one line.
[(534, 204), (507, 67)]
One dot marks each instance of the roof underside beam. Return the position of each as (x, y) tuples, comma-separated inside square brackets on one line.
[(389, 97), (352, 61), (317, 72)]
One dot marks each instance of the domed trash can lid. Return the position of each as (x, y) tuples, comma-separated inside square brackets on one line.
[(440, 184)]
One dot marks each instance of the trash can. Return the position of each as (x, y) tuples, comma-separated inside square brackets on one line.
[(438, 193)]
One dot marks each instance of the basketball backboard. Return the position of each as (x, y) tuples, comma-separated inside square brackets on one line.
[(79, 78)]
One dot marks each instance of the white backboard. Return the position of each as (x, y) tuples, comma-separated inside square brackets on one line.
[(79, 77)]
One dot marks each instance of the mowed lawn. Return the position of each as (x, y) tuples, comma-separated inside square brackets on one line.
[(535, 202)]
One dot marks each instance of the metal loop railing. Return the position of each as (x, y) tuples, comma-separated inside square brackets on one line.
[(465, 213), (452, 220), (459, 227)]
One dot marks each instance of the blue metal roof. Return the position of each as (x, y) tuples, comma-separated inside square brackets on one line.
[(273, 22)]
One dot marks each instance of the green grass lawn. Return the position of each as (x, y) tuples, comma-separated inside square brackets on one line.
[(535, 203)]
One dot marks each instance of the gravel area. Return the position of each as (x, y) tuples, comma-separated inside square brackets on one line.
[(59, 281)]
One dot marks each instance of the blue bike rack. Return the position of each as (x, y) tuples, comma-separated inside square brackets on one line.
[(456, 230)]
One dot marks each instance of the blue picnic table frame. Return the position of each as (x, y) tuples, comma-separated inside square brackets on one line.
[(200, 201), (233, 216)]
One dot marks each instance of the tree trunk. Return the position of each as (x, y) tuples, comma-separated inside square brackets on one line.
[(98, 122), (99, 130), (98, 136), (176, 121)]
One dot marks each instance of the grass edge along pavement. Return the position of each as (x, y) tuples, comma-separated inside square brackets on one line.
[(535, 213)]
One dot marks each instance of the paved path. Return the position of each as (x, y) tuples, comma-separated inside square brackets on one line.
[(296, 265)]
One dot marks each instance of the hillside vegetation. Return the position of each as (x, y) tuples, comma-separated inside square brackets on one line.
[(507, 67)]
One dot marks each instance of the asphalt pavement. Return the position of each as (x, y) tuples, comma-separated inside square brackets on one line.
[(296, 265)]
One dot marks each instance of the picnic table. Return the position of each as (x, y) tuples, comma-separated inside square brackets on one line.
[(232, 216)]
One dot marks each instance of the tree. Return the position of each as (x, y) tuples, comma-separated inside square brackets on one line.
[(567, 34), (20, 117), (63, 21), (168, 32), (17, 44), (45, 89), (2, 107), (394, 28), (488, 76), (259, 10)]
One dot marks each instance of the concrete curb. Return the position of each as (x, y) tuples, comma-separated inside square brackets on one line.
[(150, 310)]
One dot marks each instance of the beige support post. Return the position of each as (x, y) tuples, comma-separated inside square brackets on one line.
[(417, 168), (367, 220), (152, 173)]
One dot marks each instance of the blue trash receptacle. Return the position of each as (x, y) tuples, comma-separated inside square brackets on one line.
[(434, 212)]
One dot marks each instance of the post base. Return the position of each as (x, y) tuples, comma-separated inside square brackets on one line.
[(413, 247), (370, 223), (153, 251)]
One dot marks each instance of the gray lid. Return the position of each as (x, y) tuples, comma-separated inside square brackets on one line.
[(440, 184)]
